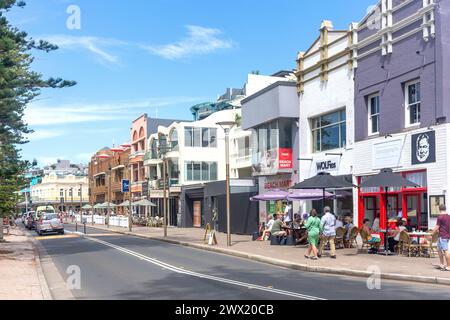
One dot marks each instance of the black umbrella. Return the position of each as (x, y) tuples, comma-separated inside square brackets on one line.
[(324, 181), (387, 179)]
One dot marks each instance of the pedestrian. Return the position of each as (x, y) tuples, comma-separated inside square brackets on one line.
[(443, 227), (328, 223), (313, 226)]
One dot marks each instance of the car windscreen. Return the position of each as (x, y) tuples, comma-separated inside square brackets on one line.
[(50, 216)]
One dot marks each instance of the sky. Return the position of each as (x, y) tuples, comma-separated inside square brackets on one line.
[(158, 57)]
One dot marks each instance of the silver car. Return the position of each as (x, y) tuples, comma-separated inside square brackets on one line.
[(49, 223)]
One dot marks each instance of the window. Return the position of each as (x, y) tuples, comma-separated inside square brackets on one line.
[(413, 103), (79, 192), (201, 171), (61, 193), (70, 192), (154, 149), (243, 147), (200, 137), (329, 131), (374, 114), (174, 140)]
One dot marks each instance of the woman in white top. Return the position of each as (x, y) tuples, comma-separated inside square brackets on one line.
[(395, 238), (266, 232)]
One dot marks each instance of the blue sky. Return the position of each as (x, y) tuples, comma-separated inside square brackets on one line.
[(158, 57)]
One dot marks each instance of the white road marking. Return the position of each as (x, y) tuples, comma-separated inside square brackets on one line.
[(200, 275)]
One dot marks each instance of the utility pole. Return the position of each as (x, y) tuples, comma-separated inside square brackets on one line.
[(165, 196), (109, 195), (130, 212)]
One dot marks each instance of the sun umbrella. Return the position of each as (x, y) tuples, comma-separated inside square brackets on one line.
[(324, 181), (273, 195), (106, 205), (124, 204), (387, 179), (307, 194), (87, 206), (144, 203), (98, 206)]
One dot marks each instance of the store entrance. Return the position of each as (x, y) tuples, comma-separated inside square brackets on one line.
[(416, 210)]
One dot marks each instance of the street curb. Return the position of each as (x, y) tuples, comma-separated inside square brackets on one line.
[(291, 265), (40, 272)]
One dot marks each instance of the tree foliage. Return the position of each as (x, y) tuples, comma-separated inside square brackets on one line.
[(19, 85)]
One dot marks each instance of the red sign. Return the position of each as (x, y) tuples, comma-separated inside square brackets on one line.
[(285, 158), (280, 184)]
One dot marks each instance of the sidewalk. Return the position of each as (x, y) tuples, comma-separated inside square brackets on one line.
[(21, 276), (349, 262)]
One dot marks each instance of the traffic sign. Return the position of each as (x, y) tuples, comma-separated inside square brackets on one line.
[(125, 186)]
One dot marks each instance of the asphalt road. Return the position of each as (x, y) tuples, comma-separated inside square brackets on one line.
[(116, 266)]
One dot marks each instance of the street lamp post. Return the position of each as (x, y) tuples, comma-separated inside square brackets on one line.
[(130, 214), (227, 126), (108, 215), (165, 196), (81, 203)]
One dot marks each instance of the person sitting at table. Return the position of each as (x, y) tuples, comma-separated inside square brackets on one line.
[(394, 238), (339, 223), (376, 224), (278, 225), (348, 227), (268, 229), (297, 221), (370, 238)]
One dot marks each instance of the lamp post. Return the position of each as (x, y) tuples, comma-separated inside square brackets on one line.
[(227, 126), (81, 202), (130, 214), (163, 150), (108, 214)]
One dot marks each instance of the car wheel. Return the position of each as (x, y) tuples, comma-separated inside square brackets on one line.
[(62, 232)]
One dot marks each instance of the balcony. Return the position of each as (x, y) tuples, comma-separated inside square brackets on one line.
[(239, 161), (159, 184), (151, 159)]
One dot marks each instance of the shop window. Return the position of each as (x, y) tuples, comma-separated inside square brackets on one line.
[(374, 114), (329, 131), (413, 103)]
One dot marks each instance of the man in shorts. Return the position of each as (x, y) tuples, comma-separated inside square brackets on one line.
[(443, 227)]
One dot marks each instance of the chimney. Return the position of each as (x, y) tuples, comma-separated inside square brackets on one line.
[(326, 24)]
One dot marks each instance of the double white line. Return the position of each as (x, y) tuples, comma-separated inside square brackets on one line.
[(200, 275)]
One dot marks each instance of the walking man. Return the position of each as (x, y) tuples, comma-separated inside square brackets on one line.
[(443, 226), (329, 232)]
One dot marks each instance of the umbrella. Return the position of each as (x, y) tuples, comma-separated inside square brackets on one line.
[(387, 179), (98, 206), (106, 205), (308, 194), (324, 181), (124, 204), (273, 195), (144, 203), (86, 206)]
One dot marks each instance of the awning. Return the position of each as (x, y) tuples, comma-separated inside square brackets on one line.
[(118, 167), (100, 174)]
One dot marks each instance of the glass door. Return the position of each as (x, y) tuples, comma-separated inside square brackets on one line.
[(413, 210)]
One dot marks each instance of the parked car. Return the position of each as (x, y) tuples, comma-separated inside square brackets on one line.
[(49, 223)]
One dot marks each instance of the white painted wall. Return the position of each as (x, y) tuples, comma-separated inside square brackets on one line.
[(438, 174)]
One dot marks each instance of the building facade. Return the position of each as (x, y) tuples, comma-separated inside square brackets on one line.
[(326, 101), (402, 114), (272, 116), (63, 192), (107, 169)]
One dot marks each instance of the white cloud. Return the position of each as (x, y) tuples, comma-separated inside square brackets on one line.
[(39, 135), (40, 114), (95, 45), (200, 40)]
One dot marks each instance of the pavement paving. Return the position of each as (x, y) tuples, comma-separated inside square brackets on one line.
[(21, 275), (349, 262), (115, 266)]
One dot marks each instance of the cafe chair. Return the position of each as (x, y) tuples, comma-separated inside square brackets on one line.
[(352, 238), (407, 246), (366, 244), (340, 234)]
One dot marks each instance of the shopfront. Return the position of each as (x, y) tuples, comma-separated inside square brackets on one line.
[(408, 203)]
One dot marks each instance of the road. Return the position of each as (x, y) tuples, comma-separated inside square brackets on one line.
[(114, 266)]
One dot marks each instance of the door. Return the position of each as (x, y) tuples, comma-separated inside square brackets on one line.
[(197, 214), (414, 210)]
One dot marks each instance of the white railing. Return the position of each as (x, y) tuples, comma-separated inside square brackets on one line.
[(118, 221)]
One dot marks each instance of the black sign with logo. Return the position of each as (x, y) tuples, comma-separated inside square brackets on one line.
[(423, 148)]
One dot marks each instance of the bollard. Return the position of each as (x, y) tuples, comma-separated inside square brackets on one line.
[(76, 226), (85, 228)]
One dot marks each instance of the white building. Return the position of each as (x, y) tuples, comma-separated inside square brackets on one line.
[(326, 91)]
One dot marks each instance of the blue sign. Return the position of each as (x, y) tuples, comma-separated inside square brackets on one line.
[(125, 186)]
